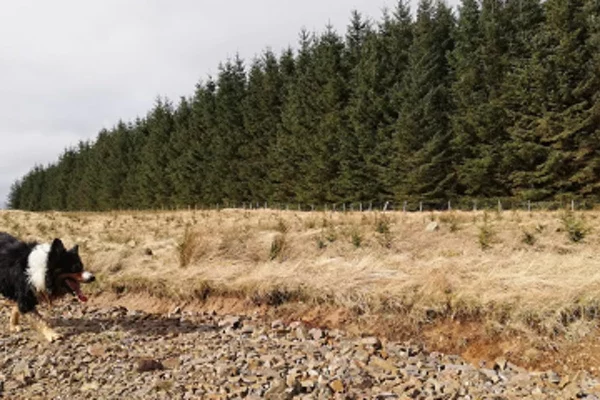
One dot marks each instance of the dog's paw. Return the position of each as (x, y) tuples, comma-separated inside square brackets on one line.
[(14, 328), (52, 336)]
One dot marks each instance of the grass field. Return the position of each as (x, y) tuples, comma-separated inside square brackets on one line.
[(519, 276)]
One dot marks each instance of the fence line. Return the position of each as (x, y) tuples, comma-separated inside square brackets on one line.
[(409, 206), (406, 206)]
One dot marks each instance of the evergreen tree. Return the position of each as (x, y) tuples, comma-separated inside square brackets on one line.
[(299, 124), (201, 161), (283, 153), (395, 39), (322, 166), (229, 133), (262, 117), (156, 185), (133, 191), (358, 180), (423, 135), (15, 196), (554, 135), (180, 145)]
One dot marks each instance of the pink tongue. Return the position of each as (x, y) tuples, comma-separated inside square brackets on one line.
[(81, 296), (75, 286)]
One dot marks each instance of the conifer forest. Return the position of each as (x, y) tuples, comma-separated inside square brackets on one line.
[(496, 99)]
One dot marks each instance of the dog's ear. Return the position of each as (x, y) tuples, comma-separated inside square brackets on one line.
[(57, 246), (75, 249)]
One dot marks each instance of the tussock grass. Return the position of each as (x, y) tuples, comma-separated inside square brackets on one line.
[(278, 246), (187, 248), (515, 270)]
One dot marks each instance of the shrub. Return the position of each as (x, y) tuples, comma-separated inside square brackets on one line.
[(451, 220), (486, 233), (575, 227), (356, 238), (382, 224), (320, 242)]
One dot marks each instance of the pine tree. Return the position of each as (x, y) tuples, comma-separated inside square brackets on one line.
[(283, 154), (133, 191), (155, 184), (200, 163), (229, 132), (14, 200), (177, 168), (394, 40), (553, 137), (357, 180), (262, 117), (299, 123), (324, 151), (423, 131)]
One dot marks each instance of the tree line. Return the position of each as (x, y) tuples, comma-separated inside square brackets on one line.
[(500, 99)]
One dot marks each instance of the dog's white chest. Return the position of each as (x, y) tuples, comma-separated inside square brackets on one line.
[(37, 266)]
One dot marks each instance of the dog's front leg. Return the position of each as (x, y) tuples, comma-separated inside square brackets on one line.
[(14, 319), (40, 325)]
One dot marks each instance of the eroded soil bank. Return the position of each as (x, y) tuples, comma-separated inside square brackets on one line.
[(474, 341)]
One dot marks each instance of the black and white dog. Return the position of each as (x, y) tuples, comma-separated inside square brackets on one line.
[(31, 273)]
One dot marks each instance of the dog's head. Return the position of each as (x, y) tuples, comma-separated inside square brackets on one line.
[(65, 271)]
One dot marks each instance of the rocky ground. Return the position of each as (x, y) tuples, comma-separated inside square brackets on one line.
[(116, 353)]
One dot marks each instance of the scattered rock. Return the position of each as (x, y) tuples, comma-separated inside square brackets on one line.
[(97, 350), (148, 364), (171, 363), (89, 387), (316, 334), (277, 324), (197, 355), (500, 364), (337, 386), (372, 342), (432, 227), (233, 322)]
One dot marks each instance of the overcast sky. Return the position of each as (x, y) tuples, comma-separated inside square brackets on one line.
[(69, 67)]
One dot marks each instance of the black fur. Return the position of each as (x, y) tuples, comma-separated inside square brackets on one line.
[(14, 283)]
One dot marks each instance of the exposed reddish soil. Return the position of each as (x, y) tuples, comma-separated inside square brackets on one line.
[(471, 340)]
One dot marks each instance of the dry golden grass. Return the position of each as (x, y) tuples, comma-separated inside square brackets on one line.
[(514, 270)]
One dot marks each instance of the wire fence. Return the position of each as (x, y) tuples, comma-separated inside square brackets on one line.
[(410, 205)]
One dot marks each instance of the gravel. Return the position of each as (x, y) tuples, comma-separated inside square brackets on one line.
[(118, 353)]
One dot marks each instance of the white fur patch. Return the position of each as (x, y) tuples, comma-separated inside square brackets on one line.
[(86, 276), (37, 266)]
